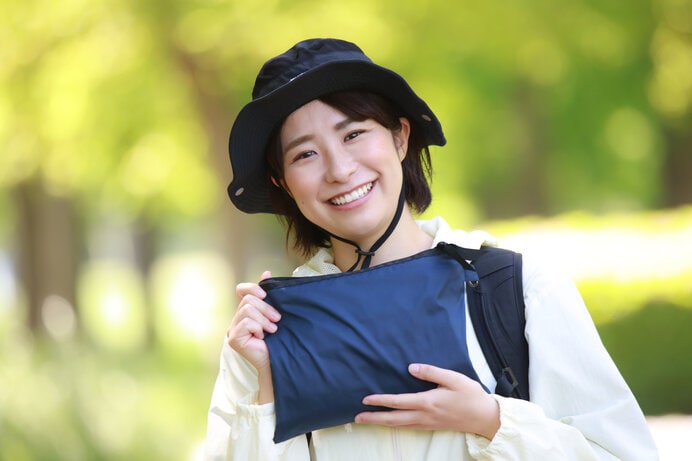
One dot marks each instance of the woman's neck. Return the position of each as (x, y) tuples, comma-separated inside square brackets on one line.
[(407, 239)]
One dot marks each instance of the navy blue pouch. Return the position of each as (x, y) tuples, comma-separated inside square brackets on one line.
[(344, 336)]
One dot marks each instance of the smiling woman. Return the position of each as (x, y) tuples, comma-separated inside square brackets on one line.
[(337, 146), (353, 107), (345, 176)]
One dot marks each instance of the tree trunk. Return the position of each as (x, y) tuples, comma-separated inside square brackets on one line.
[(677, 182), (237, 228), (144, 241), (47, 250), (522, 188), (529, 197)]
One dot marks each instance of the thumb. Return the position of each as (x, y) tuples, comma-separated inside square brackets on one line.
[(265, 275)]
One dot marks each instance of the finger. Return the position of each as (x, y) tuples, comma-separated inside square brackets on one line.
[(265, 275), (246, 288), (396, 418), (394, 401), (259, 311), (433, 374), (264, 323), (254, 327), (245, 329), (266, 309)]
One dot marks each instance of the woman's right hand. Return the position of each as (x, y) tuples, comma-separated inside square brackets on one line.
[(252, 319)]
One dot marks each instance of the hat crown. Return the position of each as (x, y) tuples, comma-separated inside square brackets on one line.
[(301, 58)]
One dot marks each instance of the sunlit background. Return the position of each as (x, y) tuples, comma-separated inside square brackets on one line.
[(570, 137)]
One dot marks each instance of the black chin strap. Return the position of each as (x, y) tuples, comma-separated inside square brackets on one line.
[(366, 256)]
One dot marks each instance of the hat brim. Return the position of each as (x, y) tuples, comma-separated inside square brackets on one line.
[(249, 189)]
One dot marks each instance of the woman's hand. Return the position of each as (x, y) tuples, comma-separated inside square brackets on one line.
[(245, 335), (458, 403)]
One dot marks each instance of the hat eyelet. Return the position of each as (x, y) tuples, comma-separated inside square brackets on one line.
[(238, 192), (426, 117)]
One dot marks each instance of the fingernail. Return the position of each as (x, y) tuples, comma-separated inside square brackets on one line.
[(414, 368)]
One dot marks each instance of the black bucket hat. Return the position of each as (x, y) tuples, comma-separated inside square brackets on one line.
[(309, 70)]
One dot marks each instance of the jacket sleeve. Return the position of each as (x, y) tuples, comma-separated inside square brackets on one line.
[(580, 408), (238, 428)]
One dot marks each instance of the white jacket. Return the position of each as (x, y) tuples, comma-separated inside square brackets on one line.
[(580, 408)]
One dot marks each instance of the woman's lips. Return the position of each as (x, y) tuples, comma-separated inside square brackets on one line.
[(355, 194)]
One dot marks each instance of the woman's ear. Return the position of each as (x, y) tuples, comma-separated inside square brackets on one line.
[(401, 138), (281, 184)]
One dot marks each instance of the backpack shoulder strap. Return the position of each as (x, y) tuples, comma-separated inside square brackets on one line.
[(496, 307)]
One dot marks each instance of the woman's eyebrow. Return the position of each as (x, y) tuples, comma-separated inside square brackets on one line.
[(343, 124), (305, 138), (298, 141)]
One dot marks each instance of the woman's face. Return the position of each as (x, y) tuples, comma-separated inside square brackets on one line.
[(344, 175)]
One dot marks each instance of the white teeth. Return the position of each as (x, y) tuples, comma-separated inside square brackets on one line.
[(355, 195)]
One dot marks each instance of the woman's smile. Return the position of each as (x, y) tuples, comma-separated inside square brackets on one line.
[(345, 175), (352, 196)]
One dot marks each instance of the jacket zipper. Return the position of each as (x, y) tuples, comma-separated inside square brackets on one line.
[(396, 443)]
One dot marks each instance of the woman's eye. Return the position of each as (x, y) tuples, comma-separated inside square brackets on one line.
[(353, 135), (304, 155)]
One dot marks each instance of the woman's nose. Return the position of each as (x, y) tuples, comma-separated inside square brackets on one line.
[(340, 166)]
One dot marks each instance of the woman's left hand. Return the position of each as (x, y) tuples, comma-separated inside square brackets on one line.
[(458, 403)]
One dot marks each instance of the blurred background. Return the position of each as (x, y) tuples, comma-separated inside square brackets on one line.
[(570, 135)]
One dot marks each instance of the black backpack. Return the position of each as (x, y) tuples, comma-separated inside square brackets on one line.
[(496, 308)]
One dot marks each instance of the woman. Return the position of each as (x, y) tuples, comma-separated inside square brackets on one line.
[(337, 146)]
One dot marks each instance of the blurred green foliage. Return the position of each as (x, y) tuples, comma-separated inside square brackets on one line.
[(567, 104), (650, 346), (76, 401), (569, 121)]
